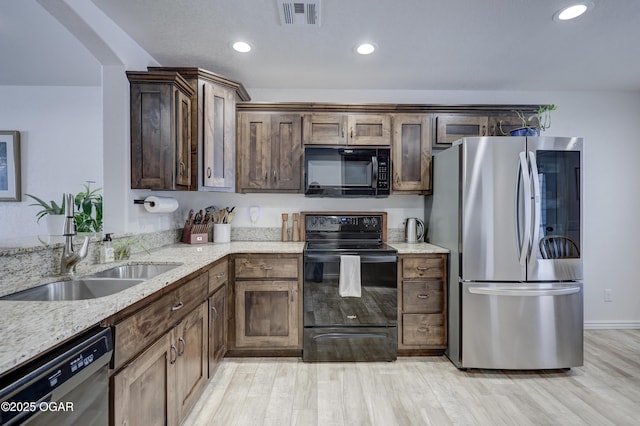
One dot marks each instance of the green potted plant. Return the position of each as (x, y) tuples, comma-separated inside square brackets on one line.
[(122, 248), (532, 124), (88, 209), (52, 212)]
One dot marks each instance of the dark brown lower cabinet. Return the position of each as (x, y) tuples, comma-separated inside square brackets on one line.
[(163, 383), (267, 314), (217, 328), (422, 313)]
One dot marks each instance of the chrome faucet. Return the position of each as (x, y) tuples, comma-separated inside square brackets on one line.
[(70, 258)]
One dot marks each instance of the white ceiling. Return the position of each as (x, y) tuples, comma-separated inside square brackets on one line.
[(422, 44)]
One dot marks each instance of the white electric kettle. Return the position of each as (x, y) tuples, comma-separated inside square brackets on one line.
[(413, 230)]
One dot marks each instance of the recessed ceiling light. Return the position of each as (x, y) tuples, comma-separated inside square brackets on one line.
[(366, 48), (241, 46), (573, 11)]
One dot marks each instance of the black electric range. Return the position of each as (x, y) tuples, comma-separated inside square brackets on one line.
[(337, 328)]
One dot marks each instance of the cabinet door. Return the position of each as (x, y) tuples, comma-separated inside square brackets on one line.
[(369, 129), (191, 337), (151, 145), (218, 137), (183, 138), (286, 153), (267, 314), (270, 152), (143, 392), (217, 328), (450, 127), (324, 129), (411, 153), (254, 156)]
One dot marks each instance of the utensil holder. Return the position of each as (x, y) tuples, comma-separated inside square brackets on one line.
[(221, 232)]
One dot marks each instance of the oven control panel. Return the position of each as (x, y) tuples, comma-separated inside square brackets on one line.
[(352, 223)]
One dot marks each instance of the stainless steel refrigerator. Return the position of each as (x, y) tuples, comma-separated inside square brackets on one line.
[(509, 210)]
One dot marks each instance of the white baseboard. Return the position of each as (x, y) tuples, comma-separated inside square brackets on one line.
[(610, 325)]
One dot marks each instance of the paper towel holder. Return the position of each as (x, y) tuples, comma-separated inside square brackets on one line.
[(143, 202)]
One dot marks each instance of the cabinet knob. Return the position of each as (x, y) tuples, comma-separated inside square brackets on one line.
[(220, 275), (177, 306)]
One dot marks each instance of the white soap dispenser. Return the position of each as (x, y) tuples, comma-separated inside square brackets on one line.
[(107, 252)]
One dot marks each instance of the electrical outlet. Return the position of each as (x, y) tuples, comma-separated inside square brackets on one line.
[(254, 214), (607, 295)]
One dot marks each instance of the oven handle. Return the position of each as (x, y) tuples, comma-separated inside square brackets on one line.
[(363, 258), (349, 336)]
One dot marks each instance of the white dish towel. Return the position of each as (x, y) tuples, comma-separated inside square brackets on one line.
[(349, 285)]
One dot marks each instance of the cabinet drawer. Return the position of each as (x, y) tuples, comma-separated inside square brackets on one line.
[(423, 267), (422, 296), (427, 329), (266, 267), (139, 330), (218, 275)]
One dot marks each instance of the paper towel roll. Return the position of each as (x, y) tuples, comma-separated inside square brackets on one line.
[(155, 204)]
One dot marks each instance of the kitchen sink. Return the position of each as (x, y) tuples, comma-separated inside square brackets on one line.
[(140, 270), (78, 289), (100, 284)]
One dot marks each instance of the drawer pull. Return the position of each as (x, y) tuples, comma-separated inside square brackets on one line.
[(423, 296), (220, 275), (266, 268), (184, 346), (423, 329), (177, 306), (422, 268), (215, 311), (175, 351)]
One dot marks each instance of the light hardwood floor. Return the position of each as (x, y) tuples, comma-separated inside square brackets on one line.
[(428, 391)]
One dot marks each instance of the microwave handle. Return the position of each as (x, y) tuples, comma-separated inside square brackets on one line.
[(374, 165)]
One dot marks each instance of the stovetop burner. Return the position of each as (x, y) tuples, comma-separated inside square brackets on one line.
[(360, 232), (346, 245)]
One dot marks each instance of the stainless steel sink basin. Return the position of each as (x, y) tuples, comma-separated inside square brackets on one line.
[(141, 270), (78, 289)]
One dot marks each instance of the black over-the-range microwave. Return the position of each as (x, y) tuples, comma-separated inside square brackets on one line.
[(346, 172)]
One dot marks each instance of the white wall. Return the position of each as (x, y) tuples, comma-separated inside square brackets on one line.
[(61, 147)]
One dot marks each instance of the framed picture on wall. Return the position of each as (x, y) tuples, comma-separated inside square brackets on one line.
[(10, 166)]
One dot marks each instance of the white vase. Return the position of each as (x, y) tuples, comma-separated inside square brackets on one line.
[(55, 224)]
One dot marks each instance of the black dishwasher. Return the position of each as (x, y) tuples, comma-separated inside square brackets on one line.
[(68, 386)]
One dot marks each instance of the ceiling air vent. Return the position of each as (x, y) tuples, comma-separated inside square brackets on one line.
[(299, 13)]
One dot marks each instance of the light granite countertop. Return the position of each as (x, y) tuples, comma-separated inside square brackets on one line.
[(28, 329)]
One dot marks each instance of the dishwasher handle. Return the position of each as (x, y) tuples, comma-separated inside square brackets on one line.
[(528, 292)]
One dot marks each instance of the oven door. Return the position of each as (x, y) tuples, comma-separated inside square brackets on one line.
[(350, 328), (332, 171)]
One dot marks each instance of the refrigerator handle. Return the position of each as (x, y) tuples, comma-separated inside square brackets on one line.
[(525, 243), (537, 202), (496, 291)]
